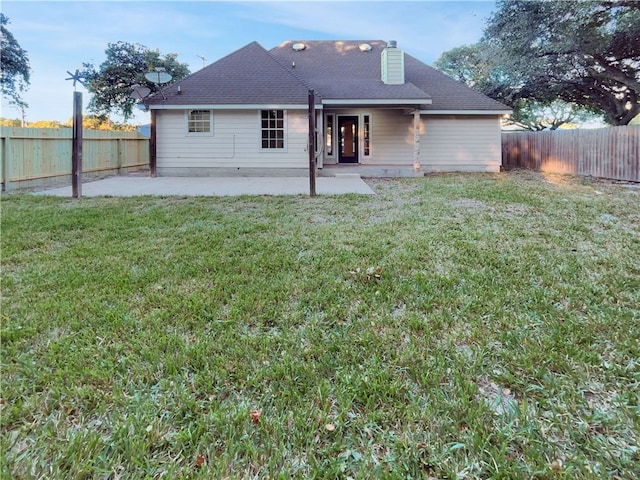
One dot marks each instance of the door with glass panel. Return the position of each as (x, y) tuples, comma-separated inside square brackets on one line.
[(347, 139)]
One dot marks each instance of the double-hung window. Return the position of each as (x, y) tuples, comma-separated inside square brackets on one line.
[(272, 128), (199, 122)]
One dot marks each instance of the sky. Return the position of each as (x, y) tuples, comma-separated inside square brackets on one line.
[(59, 36)]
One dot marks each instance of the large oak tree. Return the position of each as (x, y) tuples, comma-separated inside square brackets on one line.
[(583, 52)]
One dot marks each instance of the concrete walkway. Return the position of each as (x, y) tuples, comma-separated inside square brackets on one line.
[(130, 186)]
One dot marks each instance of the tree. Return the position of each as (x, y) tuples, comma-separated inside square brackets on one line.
[(14, 66), (475, 66), (47, 124), (585, 52), (125, 66), (536, 116), (95, 122), (10, 122)]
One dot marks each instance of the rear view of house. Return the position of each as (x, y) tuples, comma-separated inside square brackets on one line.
[(379, 112)]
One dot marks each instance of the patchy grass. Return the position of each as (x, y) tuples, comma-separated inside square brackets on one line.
[(456, 326)]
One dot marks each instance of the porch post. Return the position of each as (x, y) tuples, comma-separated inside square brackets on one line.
[(416, 140), (312, 143)]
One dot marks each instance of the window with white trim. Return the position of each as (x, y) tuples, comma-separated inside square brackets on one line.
[(199, 121), (367, 135), (329, 133), (272, 129)]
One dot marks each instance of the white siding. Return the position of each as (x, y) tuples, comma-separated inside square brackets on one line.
[(234, 147), (460, 143)]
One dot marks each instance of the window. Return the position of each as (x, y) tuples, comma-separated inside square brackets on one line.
[(367, 135), (199, 121), (329, 135), (272, 129)]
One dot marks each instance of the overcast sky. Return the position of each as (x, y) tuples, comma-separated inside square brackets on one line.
[(60, 35)]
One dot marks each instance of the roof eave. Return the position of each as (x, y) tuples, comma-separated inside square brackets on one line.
[(234, 106), (376, 101), (466, 112)]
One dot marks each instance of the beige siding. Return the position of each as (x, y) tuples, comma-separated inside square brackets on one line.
[(447, 143), (233, 147), (391, 138), (461, 143)]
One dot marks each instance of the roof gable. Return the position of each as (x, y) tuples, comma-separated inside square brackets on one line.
[(447, 93), (249, 75)]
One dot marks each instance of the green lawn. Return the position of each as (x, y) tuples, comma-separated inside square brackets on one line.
[(452, 326)]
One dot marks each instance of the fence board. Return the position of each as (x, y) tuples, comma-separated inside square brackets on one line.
[(612, 153), (32, 157)]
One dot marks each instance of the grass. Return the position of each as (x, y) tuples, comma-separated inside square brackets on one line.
[(451, 327)]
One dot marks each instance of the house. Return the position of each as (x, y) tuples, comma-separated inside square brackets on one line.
[(379, 111)]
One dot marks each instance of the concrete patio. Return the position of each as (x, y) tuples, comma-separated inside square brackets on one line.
[(130, 186)]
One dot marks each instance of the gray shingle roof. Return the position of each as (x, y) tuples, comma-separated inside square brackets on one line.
[(337, 70), (340, 70), (249, 75), (447, 93)]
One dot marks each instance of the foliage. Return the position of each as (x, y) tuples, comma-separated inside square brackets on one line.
[(125, 66), (536, 116), (96, 122), (475, 66), (89, 122), (48, 124), (10, 122), (454, 326), (14, 66), (584, 53)]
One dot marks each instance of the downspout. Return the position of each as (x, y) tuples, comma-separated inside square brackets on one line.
[(152, 145), (416, 140)]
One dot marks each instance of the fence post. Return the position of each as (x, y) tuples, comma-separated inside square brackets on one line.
[(119, 140), (6, 141)]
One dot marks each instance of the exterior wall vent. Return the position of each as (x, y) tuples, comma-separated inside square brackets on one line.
[(392, 64)]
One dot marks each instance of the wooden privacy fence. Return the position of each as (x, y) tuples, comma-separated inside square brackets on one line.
[(36, 157), (612, 153)]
